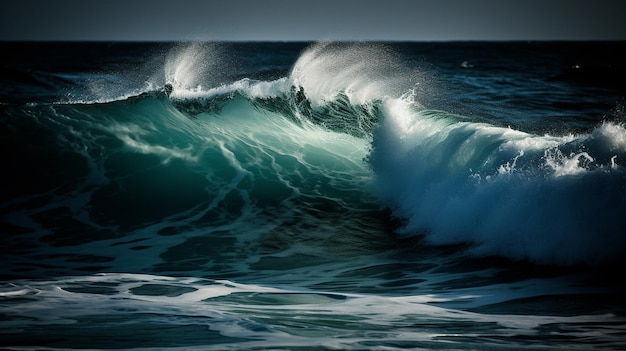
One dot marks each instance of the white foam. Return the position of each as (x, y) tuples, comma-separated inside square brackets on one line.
[(613, 135), (567, 165), (16, 291), (247, 87)]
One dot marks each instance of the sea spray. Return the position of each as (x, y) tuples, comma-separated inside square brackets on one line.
[(196, 66), (364, 72)]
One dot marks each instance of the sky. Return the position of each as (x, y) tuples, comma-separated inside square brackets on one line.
[(295, 20)]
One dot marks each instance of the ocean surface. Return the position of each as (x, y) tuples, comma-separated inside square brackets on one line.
[(313, 196)]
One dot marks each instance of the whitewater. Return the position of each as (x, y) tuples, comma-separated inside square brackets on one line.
[(325, 196)]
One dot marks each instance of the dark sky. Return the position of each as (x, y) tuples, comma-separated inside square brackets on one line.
[(283, 20)]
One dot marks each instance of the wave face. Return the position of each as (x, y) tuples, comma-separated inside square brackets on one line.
[(328, 195)]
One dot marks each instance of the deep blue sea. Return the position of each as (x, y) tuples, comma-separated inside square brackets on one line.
[(313, 196)]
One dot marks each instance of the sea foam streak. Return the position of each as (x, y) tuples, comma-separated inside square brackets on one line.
[(207, 314)]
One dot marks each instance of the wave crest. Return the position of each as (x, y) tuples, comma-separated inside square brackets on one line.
[(364, 72)]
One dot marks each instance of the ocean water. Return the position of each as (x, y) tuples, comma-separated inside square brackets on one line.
[(313, 196)]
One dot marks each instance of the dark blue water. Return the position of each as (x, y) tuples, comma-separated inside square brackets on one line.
[(162, 196)]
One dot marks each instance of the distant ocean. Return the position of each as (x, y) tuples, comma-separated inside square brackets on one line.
[(313, 196)]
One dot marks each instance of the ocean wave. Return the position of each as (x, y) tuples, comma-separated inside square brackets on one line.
[(348, 119), (549, 199)]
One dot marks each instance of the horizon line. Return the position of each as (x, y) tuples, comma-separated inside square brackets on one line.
[(300, 40)]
